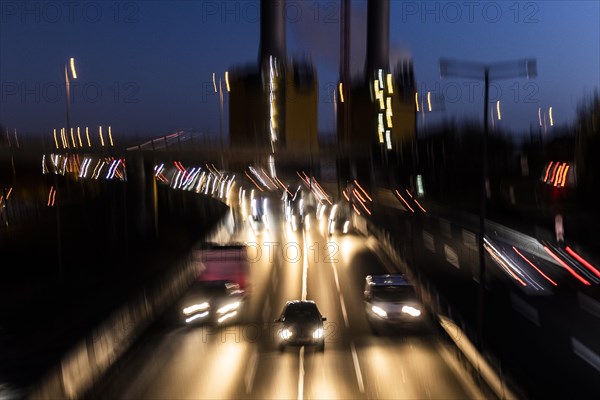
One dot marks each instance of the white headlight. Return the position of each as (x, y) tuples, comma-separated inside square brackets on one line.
[(286, 333), (229, 307), (413, 312), (379, 311), (196, 307), (318, 333), (194, 317)]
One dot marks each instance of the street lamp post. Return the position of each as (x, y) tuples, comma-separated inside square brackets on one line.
[(485, 72), (68, 91)]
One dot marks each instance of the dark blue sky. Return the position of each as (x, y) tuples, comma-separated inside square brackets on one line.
[(145, 67)]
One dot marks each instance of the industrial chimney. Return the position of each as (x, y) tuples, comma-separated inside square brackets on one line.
[(272, 31), (378, 36)]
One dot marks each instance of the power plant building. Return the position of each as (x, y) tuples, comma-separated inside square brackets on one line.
[(273, 104)]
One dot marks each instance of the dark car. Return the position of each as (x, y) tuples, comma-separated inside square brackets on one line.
[(301, 324), (212, 302)]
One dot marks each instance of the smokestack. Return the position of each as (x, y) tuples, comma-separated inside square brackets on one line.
[(378, 36), (272, 31)]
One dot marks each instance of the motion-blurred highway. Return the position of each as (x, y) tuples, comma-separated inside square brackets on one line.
[(243, 361)]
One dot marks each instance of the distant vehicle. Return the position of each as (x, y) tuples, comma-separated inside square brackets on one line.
[(225, 262), (339, 220), (218, 294), (391, 299), (258, 215), (212, 302), (301, 324), (292, 203)]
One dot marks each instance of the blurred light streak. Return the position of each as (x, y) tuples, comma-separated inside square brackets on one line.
[(363, 190), (554, 172), (533, 265), (420, 206), (73, 71), (227, 81), (388, 111), (565, 266), (101, 138), (345, 195), (407, 192), (404, 201), (551, 118), (88, 137), (9, 192), (380, 128), (51, 196), (540, 115), (110, 137), (564, 177), (102, 164), (547, 171), (498, 110), (429, 100), (55, 140), (389, 83), (583, 261), (255, 184), (499, 259), (214, 82), (355, 209), (73, 139), (79, 137), (417, 100), (341, 89)]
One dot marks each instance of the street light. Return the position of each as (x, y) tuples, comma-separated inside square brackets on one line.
[(220, 91), (68, 91), (486, 72)]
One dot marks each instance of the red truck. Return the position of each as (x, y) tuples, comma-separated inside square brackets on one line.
[(217, 296)]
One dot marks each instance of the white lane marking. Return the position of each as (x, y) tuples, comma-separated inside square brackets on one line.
[(344, 314), (251, 371), (359, 378), (304, 265), (342, 303), (301, 375)]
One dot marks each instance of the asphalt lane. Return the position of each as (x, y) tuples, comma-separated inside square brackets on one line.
[(243, 361)]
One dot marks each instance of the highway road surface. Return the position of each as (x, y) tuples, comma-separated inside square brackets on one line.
[(243, 361)]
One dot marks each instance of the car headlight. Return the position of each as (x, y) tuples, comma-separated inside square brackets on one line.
[(346, 224), (318, 333), (229, 307), (412, 311), (285, 333), (196, 307), (379, 311), (196, 316)]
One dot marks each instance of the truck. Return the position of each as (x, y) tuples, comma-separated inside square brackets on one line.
[(218, 294)]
